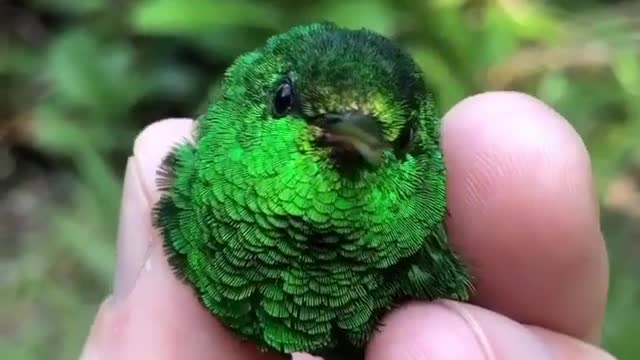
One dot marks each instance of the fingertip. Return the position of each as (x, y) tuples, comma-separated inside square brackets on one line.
[(135, 230), (566, 347), (423, 331), (437, 331), (507, 134), (524, 213), (452, 330), (152, 314), (515, 143), (153, 144)]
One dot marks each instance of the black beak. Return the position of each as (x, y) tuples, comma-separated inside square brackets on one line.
[(354, 131)]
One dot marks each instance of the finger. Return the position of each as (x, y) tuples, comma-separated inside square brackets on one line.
[(451, 330), (524, 214), (152, 315)]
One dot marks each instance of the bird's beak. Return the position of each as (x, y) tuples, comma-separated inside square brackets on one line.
[(354, 131)]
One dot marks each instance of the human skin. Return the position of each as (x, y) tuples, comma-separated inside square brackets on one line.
[(524, 217)]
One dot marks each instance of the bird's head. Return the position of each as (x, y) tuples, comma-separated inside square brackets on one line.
[(349, 99)]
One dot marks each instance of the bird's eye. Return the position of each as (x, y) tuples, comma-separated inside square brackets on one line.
[(404, 142), (284, 99)]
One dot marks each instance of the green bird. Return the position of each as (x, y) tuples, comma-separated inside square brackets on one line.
[(312, 198)]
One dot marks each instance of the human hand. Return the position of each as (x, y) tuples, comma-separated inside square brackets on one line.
[(524, 217)]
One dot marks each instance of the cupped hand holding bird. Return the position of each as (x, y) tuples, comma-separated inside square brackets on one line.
[(523, 215)]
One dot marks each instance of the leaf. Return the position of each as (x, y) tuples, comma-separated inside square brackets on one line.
[(500, 39), (86, 72), (626, 68), (197, 16), (553, 87), (53, 132), (375, 15), (440, 77)]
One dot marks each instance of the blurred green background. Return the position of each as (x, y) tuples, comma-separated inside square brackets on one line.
[(80, 78)]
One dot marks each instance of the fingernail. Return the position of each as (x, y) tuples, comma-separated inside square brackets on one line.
[(473, 326), (497, 336), (429, 331), (134, 233)]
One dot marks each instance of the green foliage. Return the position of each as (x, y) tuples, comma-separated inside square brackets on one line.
[(201, 16), (81, 78)]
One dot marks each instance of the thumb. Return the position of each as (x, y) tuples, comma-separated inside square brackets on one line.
[(151, 314), (452, 330)]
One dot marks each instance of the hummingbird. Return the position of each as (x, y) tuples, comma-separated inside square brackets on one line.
[(312, 198)]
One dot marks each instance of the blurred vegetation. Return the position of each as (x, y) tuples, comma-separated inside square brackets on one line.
[(80, 78)]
